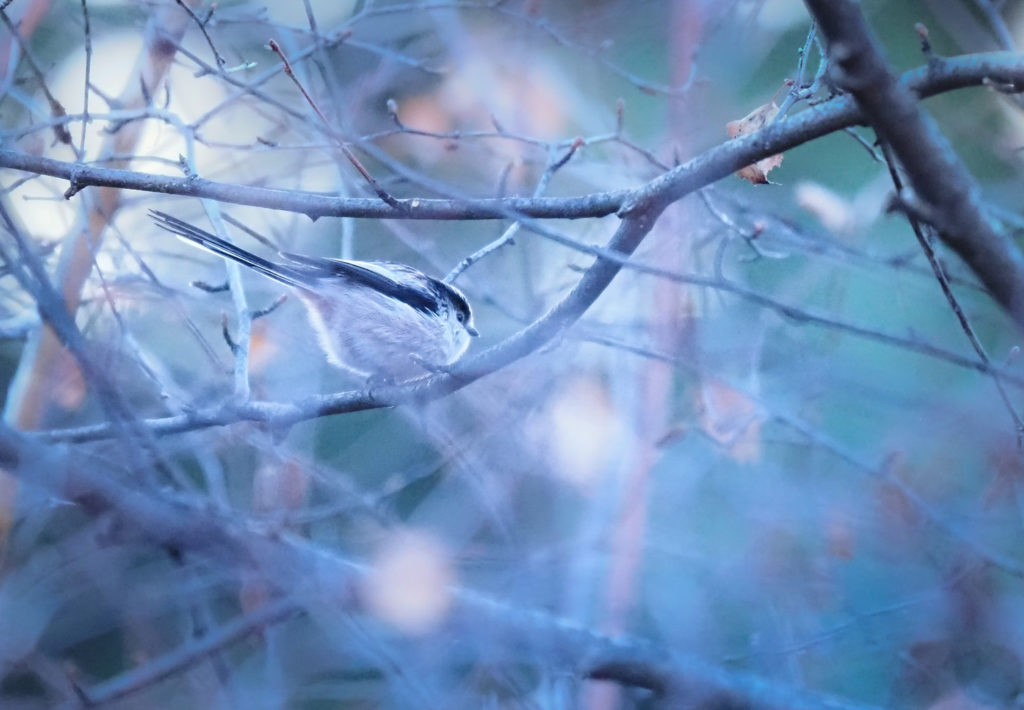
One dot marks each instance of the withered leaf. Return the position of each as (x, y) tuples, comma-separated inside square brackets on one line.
[(753, 121)]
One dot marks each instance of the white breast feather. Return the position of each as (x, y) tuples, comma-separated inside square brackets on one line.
[(366, 334)]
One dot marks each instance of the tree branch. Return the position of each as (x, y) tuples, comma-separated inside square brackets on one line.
[(945, 187), (640, 207), (941, 76), (194, 529)]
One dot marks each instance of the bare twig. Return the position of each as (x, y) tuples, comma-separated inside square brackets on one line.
[(509, 234), (192, 528), (342, 145), (954, 304), (56, 108), (839, 113), (465, 372), (87, 31), (192, 652), (29, 391), (1003, 35), (201, 24)]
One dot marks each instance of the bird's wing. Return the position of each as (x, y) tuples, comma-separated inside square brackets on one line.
[(415, 290)]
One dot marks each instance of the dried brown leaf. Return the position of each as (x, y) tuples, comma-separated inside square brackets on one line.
[(754, 121)]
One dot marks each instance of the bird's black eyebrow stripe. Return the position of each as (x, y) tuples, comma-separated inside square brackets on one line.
[(457, 298)]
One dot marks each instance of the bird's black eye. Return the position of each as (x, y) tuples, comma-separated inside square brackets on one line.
[(461, 317)]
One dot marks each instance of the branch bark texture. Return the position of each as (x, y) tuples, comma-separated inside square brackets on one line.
[(949, 196)]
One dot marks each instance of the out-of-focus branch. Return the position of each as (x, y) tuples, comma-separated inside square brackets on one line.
[(285, 413), (155, 519), (716, 163), (194, 529), (924, 238), (30, 390), (30, 274), (27, 15), (189, 653), (633, 228), (948, 195), (995, 20), (507, 237), (703, 687), (941, 76)]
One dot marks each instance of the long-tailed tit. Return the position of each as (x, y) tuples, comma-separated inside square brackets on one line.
[(372, 318)]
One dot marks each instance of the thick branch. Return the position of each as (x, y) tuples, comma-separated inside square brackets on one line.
[(949, 194), (647, 203), (941, 76), (155, 519), (190, 529), (595, 280)]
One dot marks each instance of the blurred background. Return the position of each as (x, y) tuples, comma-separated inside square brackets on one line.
[(778, 457)]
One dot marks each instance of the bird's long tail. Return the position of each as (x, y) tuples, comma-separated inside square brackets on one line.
[(212, 243)]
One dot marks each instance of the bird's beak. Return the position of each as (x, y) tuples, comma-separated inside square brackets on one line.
[(472, 331)]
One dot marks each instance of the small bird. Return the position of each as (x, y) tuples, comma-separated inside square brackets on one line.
[(373, 318)]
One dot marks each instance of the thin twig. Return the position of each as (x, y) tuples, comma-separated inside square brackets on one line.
[(836, 114), (954, 304), (202, 28), (56, 108), (513, 229), (342, 145), (88, 73), (995, 19), (188, 654)]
